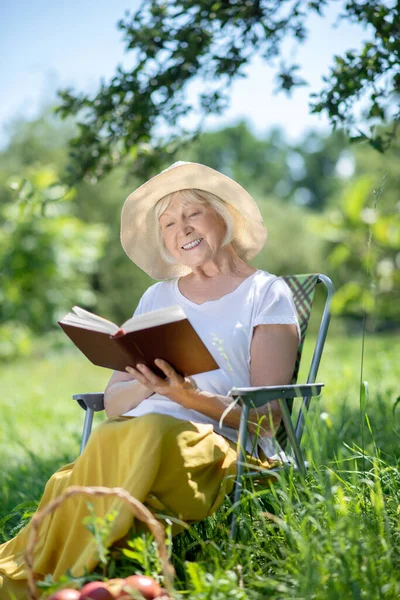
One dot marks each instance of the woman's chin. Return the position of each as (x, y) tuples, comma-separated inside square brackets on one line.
[(192, 260), (193, 264)]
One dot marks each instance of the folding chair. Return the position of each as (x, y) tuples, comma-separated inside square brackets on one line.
[(303, 290)]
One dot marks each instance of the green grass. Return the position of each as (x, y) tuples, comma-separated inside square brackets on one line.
[(41, 425), (336, 536), (38, 413)]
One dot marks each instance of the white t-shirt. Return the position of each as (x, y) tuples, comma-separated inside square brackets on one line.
[(226, 328)]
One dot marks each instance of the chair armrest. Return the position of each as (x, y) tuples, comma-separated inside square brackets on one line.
[(258, 396), (94, 401)]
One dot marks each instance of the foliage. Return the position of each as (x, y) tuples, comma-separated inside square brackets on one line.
[(217, 585), (47, 257), (372, 74), (32, 143), (304, 173), (100, 528), (24, 512), (363, 233), (67, 581), (292, 245), (140, 114), (142, 552), (332, 536)]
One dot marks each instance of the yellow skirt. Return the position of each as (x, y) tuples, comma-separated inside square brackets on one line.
[(171, 465)]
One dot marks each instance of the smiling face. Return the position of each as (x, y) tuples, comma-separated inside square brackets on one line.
[(193, 233)]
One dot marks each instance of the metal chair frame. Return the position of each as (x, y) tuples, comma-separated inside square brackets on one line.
[(257, 397), (253, 397)]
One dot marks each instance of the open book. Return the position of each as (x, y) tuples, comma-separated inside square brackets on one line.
[(164, 333)]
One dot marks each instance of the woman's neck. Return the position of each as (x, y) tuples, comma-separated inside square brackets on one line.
[(227, 263)]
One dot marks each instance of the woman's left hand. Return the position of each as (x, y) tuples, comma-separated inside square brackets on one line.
[(175, 387)]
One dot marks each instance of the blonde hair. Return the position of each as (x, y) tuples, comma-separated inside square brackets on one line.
[(193, 196)]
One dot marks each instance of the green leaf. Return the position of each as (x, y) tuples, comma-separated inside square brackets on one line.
[(357, 197)]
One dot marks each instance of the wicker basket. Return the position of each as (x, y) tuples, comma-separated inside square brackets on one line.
[(138, 509)]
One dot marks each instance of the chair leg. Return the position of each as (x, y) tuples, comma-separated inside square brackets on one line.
[(287, 421), (237, 490), (87, 428)]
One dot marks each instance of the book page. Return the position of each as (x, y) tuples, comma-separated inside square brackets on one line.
[(154, 318), (83, 318)]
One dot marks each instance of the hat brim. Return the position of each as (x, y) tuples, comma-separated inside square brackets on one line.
[(138, 224)]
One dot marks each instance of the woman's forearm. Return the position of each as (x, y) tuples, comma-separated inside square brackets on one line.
[(265, 420), (121, 396)]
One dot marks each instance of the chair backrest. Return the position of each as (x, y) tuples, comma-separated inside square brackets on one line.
[(303, 291)]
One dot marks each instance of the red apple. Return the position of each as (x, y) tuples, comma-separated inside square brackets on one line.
[(95, 590), (66, 594), (149, 588)]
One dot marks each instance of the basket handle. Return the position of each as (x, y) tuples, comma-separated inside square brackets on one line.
[(137, 508)]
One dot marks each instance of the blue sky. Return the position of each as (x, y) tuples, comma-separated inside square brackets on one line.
[(45, 45)]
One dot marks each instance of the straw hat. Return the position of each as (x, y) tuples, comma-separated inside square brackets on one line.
[(138, 224)]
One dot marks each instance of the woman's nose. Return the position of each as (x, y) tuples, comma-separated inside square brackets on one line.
[(186, 228)]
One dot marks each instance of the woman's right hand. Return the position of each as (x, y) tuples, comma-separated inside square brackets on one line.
[(173, 386)]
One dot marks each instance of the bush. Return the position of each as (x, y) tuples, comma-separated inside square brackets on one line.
[(47, 260)]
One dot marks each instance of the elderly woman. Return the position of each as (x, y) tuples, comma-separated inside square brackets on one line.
[(194, 229)]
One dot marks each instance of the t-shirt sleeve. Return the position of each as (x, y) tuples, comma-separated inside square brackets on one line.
[(276, 306), (146, 302), (139, 310)]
